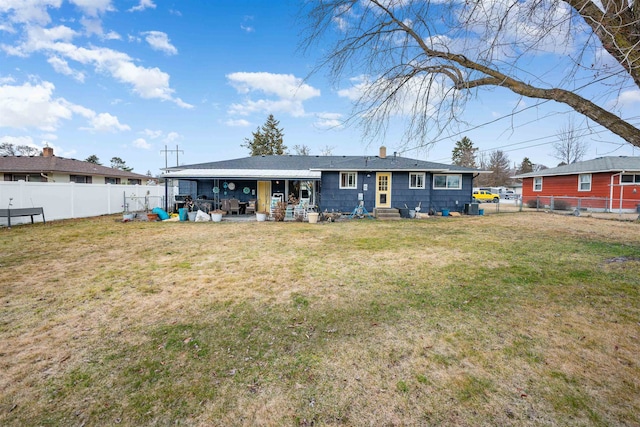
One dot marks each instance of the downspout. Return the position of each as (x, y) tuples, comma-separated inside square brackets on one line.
[(619, 174)]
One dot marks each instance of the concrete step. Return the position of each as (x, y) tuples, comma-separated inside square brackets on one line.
[(387, 213)]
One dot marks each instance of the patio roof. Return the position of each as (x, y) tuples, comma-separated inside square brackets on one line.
[(244, 174)]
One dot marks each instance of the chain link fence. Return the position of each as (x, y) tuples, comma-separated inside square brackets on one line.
[(597, 207)]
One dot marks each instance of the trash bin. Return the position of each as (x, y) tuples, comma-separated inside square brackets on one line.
[(182, 214), (404, 212), (480, 211), (445, 212)]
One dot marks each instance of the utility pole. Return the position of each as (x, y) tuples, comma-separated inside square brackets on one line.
[(166, 151)]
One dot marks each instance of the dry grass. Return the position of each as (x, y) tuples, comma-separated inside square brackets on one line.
[(529, 319)]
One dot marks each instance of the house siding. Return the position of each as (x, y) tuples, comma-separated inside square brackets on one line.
[(345, 200), (567, 186)]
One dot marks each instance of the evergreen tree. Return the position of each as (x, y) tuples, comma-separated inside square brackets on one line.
[(267, 140), (93, 159), (118, 163), (464, 153), (526, 166)]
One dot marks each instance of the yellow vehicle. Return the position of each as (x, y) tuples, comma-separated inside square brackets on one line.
[(483, 196)]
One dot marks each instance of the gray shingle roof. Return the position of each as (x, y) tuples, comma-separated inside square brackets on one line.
[(42, 164), (325, 163), (601, 164)]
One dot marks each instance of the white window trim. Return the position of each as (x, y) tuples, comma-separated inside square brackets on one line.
[(355, 181), (580, 182), (459, 187), (424, 179), (534, 183)]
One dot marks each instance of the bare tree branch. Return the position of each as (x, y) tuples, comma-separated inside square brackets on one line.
[(424, 58)]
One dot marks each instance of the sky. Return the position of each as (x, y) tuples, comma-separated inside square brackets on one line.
[(165, 83)]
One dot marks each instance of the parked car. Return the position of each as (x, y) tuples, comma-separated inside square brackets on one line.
[(485, 196), (509, 195)]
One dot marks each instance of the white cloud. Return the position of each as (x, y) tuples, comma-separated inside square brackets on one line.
[(61, 66), (629, 97), (141, 143), (247, 28), (160, 41), (289, 92), (144, 4), (94, 7), (329, 121), (28, 11), (105, 122), (153, 134), (17, 140), (149, 83), (172, 137), (33, 106), (237, 123), (28, 105)]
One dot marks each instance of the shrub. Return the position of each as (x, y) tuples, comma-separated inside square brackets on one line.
[(561, 205)]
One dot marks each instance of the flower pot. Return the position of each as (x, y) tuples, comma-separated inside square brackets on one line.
[(192, 215), (313, 217), (216, 217), (152, 217), (261, 217)]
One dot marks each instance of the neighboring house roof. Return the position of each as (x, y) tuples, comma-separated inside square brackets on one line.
[(599, 165), (55, 164), (305, 167)]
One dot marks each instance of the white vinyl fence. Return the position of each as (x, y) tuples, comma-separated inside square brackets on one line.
[(71, 200)]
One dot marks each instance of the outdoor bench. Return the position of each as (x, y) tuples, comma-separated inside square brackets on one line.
[(13, 213)]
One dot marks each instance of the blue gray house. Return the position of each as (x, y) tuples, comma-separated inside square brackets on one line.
[(331, 183)]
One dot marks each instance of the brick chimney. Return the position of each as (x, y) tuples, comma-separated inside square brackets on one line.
[(383, 152), (47, 152)]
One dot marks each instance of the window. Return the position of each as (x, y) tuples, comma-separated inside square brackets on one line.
[(348, 180), (108, 180), (537, 184), (584, 182), (24, 177), (416, 180), (630, 179), (80, 179), (134, 181), (449, 182)]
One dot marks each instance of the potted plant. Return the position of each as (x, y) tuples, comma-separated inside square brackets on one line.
[(216, 216), (261, 216), (191, 206)]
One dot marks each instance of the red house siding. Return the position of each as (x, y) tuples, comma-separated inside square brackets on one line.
[(567, 186)]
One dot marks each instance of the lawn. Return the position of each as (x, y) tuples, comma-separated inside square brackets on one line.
[(508, 319)]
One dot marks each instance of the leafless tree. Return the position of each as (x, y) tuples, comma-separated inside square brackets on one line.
[(570, 147), (425, 58), (8, 149)]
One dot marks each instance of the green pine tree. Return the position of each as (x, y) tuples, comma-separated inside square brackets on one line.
[(464, 153), (267, 140)]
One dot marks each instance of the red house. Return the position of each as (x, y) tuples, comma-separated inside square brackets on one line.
[(605, 183)]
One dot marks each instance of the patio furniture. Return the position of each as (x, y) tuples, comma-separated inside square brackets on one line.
[(234, 206), (251, 207), (225, 205), (12, 213)]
